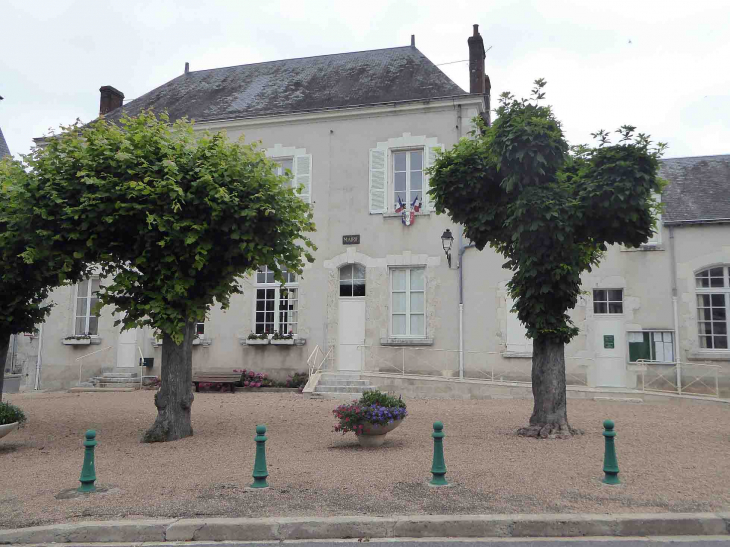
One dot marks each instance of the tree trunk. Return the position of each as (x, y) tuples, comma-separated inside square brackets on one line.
[(550, 414), (175, 397), (4, 345)]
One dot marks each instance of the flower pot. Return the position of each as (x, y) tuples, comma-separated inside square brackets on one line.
[(7, 428), (76, 341), (282, 342), (374, 434), (257, 342)]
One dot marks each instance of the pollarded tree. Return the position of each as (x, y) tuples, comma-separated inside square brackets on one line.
[(551, 211), (30, 263), (174, 220)]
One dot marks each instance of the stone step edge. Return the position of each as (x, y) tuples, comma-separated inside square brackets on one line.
[(419, 526), (100, 390)]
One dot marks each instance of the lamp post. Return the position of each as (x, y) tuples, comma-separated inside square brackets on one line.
[(447, 239)]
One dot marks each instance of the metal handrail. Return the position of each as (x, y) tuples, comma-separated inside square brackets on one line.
[(81, 365)]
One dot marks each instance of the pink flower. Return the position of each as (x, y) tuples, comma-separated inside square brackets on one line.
[(265, 375), (252, 374), (246, 384)]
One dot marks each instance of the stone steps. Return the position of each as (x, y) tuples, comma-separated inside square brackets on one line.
[(115, 381), (101, 390), (340, 385)]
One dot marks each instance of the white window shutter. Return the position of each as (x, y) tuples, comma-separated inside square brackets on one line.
[(303, 176), (430, 159), (378, 180)]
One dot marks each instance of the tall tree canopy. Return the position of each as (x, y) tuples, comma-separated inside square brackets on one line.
[(550, 210), (173, 220), (30, 263)]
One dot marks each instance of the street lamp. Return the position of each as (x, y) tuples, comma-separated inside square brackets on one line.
[(446, 240)]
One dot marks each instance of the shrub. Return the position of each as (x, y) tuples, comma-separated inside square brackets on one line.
[(10, 414), (299, 379), (375, 397), (249, 378)]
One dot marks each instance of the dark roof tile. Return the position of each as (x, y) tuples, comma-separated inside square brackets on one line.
[(297, 85), (699, 188)]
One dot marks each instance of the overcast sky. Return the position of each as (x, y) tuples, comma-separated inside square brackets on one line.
[(663, 66)]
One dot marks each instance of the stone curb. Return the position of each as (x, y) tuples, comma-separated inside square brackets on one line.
[(437, 526)]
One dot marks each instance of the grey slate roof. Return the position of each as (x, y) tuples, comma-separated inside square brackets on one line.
[(698, 190), (297, 85), (4, 150)]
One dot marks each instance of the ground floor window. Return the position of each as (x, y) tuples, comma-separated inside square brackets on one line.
[(277, 307), (85, 322), (408, 302), (651, 346)]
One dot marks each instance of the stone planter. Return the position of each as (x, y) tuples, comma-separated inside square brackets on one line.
[(76, 341), (257, 342), (374, 435), (7, 428), (282, 342)]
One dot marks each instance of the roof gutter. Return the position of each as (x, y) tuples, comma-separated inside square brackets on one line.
[(696, 221)]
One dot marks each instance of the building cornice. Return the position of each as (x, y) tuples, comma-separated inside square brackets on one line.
[(365, 111)]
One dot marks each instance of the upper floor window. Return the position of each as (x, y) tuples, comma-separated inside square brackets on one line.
[(299, 165), (608, 301), (713, 307), (398, 173), (85, 322), (276, 306), (352, 280)]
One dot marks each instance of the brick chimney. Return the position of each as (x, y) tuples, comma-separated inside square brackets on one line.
[(478, 80), (476, 62), (111, 99)]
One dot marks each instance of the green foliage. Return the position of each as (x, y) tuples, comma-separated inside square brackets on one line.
[(173, 219), (9, 414), (31, 261), (374, 397), (548, 208)]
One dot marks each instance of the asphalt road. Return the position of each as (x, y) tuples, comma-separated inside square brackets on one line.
[(676, 541)]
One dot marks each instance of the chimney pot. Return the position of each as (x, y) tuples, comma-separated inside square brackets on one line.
[(187, 67), (111, 99), (476, 30), (413, 40)]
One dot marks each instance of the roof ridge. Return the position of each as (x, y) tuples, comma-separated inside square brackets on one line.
[(309, 57), (697, 157)]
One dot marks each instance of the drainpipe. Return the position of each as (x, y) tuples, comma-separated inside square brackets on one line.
[(462, 250), (673, 259), (37, 384)]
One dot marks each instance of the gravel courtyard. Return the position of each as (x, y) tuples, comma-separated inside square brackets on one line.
[(672, 458)]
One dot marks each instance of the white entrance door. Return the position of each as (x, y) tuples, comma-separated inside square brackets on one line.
[(351, 334), (610, 353), (127, 355)]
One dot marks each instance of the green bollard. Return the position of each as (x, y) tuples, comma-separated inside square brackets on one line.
[(88, 472), (259, 467), (439, 466), (610, 463)]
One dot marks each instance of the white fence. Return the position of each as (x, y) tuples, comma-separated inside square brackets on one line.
[(444, 363), (681, 378)]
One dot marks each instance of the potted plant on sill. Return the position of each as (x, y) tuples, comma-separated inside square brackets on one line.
[(11, 417), (77, 340), (371, 418), (257, 339), (282, 339)]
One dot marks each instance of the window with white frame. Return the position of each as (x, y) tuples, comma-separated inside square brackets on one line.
[(285, 167), (85, 322), (713, 306), (408, 302), (408, 179), (277, 306), (200, 330), (655, 346), (298, 163), (352, 280), (608, 301), (398, 173)]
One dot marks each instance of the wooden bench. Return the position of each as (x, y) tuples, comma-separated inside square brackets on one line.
[(224, 378)]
